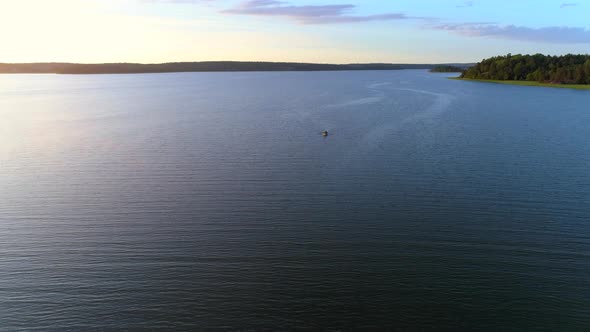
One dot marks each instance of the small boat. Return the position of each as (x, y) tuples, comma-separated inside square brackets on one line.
[(325, 133)]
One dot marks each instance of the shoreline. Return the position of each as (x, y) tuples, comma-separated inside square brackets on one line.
[(204, 66), (527, 83), (213, 71)]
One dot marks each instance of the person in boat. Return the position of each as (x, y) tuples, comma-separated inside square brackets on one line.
[(325, 133)]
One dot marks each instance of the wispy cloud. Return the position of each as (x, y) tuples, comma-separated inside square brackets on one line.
[(466, 4), (557, 35), (310, 14), (176, 1), (344, 13), (568, 4)]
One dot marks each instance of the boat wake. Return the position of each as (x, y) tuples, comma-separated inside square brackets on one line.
[(440, 104)]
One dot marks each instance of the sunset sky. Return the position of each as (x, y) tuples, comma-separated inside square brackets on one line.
[(335, 31)]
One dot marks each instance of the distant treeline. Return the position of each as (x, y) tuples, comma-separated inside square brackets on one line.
[(566, 69), (446, 69), (213, 66)]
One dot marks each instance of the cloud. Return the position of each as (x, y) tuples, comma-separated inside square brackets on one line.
[(466, 4), (557, 35), (341, 13), (568, 4), (176, 1), (310, 14)]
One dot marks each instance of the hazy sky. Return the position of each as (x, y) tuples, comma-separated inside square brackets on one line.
[(338, 31)]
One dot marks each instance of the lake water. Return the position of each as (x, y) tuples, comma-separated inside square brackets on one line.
[(201, 201)]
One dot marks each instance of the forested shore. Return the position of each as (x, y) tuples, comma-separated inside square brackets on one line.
[(207, 66), (565, 69)]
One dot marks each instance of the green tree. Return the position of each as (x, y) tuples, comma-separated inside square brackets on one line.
[(568, 68)]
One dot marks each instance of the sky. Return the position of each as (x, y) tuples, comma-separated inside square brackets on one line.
[(322, 31)]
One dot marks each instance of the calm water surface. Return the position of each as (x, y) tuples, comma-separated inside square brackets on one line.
[(211, 201)]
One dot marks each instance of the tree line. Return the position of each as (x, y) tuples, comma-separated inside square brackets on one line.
[(565, 69), (446, 69), (209, 66)]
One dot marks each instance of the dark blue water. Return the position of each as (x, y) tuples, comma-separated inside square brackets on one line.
[(206, 201)]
